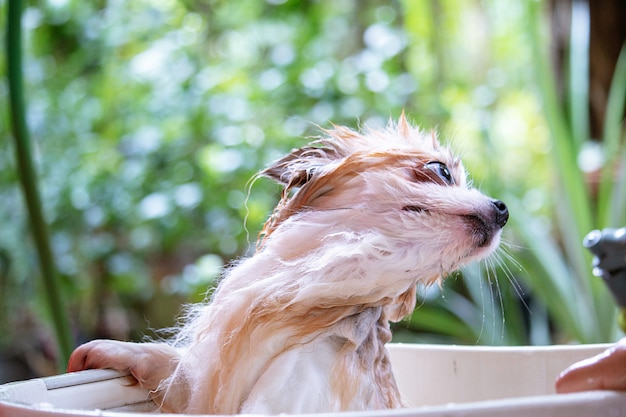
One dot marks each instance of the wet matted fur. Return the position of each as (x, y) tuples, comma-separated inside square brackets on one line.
[(301, 326)]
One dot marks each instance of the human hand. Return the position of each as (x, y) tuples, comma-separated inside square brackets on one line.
[(605, 371)]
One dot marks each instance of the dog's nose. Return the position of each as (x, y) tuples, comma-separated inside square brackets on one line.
[(501, 212)]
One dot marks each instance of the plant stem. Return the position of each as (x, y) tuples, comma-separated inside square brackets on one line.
[(611, 196), (573, 202), (28, 182)]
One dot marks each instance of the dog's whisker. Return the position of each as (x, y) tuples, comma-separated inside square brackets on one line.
[(481, 283), (492, 267), (508, 273), (507, 257), (491, 300)]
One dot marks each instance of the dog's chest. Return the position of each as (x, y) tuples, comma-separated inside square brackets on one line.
[(296, 382), (345, 368)]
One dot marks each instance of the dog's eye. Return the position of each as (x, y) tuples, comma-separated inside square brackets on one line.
[(442, 171)]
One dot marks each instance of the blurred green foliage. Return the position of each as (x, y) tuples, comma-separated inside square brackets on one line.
[(150, 116)]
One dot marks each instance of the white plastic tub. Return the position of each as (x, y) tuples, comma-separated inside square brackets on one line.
[(449, 381)]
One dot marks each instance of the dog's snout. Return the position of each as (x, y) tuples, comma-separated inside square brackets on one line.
[(501, 212)]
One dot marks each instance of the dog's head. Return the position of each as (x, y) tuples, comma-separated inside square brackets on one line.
[(399, 183)]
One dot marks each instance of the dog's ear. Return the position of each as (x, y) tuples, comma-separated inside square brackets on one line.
[(405, 130), (300, 165), (295, 170)]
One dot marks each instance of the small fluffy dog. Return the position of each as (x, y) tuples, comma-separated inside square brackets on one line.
[(301, 326)]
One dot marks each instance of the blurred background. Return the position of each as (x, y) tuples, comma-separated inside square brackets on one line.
[(149, 117)]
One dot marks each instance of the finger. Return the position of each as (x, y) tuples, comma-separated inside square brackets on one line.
[(606, 371), (91, 355), (77, 360)]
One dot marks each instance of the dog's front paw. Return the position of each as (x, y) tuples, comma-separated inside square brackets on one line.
[(148, 363)]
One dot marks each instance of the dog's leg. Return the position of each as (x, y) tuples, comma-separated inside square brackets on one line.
[(148, 363)]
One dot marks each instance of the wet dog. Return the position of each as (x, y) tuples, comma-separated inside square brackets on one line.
[(301, 326)]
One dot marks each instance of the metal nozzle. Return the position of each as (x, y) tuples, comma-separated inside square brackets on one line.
[(609, 262)]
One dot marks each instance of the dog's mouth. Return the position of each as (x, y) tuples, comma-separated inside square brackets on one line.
[(482, 228), (485, 225)]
